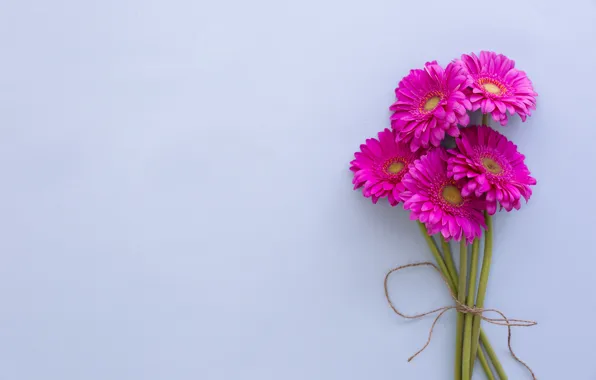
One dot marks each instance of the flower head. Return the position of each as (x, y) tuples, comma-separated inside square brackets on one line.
[(437, 201), (380, 166), (430, 103), (490, 166), (497, 86)]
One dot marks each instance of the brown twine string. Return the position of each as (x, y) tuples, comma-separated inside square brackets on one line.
[(461, 308)]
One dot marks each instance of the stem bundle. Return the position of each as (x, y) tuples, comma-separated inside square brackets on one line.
[(458, 284)]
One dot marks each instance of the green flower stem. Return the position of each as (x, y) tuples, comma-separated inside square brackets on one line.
[(461, 297), (482, 286), (466, 367), (435, 251), (492, 356), (449, 260), (484, 119), (484, 363), (453, 279)]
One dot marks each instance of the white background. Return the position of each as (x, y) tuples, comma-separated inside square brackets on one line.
[(176, 201)]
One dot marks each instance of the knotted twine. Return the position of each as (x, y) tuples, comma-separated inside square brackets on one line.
[(460, 308)]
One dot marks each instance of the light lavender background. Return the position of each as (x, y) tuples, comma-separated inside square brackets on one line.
[(176, 201)]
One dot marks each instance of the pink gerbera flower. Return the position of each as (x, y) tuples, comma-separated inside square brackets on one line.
[(497, 86), (437, 201), (490, 164), (430, 103), (380, 166)]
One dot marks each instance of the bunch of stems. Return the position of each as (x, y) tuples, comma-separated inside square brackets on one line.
[(471, 341)]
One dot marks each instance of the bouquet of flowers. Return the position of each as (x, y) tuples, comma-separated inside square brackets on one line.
[(452, 177)]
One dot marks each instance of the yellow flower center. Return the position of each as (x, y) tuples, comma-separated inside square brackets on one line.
[(492, 88), (395, 167), (452, 195), (431, 103), (491, 165)]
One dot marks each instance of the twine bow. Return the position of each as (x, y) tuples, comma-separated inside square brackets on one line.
[(461, 308)]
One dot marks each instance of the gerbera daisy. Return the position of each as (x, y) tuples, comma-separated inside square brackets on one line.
[(490, 164), (380, 166), (430, 103), (437, 201), (497, 86)]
